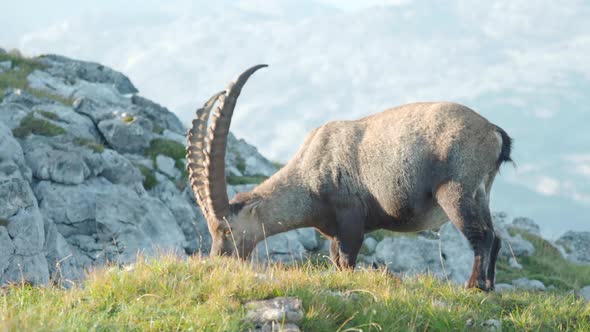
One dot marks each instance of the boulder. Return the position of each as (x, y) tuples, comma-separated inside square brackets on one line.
[(5, 66), (109, 222), (526, 224), (167, 166), (501, 287), (124, 136), (528, 284), (370, 244), (67, 167), (576, 246), (585, 293), (118, 169), (449, 257)]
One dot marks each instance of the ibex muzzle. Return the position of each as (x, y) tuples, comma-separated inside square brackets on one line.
[(406, 169)]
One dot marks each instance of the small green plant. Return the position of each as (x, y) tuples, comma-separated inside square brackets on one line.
[(237, 180), (49, 115), (128, 119), (149, 179), (32, 125), (165, 147), (4, 222), (240, 164), (92, 145)]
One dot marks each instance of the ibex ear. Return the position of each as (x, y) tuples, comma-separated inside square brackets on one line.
[(243, 201), (253, 206)]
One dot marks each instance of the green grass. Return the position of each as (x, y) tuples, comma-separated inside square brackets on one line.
[(240, 164), (201, 294), (546, 265), (32, 125), (168, 148), (17, 78), (173, 150), (128, 119), (149, 179), (49, 115), (254, 179), (92, 145)]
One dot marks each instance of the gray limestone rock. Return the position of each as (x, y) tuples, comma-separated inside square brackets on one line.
[(576, 246), (118, 169), (167, 166), (159, 115), (585, 293), (126, 136), (528, 284), (246, 159), (280, 310), (69, 69), (527, 225)]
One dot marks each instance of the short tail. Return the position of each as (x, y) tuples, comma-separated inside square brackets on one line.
[(506, 148)]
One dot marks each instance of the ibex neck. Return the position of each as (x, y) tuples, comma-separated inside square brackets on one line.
[(285, 204)]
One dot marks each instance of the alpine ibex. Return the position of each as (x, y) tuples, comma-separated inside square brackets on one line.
[(406, 169)]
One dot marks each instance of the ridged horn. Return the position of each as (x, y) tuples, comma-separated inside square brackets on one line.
[(216, 187), (196, 152)]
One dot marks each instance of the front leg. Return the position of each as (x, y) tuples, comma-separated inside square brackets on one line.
[(349, 238)]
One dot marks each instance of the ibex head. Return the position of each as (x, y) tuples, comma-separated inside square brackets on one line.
[(234, 226)]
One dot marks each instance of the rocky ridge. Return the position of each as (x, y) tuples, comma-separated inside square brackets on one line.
[(91, 172)]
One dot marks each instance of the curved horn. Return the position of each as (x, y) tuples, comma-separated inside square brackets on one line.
[(196, 152), (215, 184)]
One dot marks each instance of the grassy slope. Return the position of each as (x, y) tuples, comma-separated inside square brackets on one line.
[(209, 294)]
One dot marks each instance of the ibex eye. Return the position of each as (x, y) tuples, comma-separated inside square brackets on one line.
[(227, 232)]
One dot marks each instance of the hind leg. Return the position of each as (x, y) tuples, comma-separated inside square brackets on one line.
[(491, 277), (465, 211)]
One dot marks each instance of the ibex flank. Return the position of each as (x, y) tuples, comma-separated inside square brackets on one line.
[(406, 169)]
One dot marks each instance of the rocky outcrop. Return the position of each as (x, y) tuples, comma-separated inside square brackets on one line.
[(93, 173)]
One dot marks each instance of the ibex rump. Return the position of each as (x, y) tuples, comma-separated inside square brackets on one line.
[(406, 169)]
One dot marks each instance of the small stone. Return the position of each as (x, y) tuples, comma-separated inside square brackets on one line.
[(500, 288), (167, 166), (370, 243), (278, 310), (528, 284), (492, 325), (5, 65), (276, 327)]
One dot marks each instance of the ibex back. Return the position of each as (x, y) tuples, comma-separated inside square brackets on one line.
[(406, 169)]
